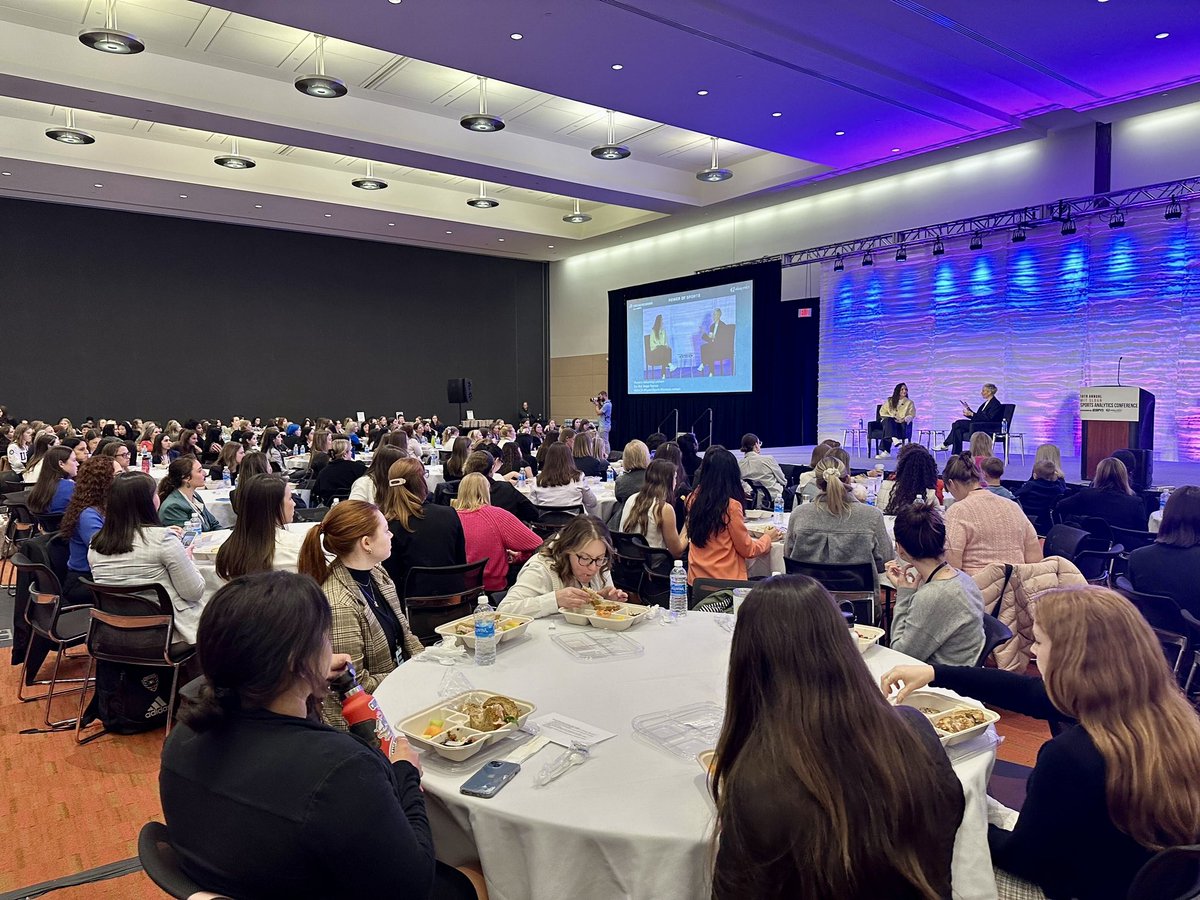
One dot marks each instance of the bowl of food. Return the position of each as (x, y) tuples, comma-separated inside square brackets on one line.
[(508, 628), (460, 727), (962, 723), (866, 635), (753, 514)]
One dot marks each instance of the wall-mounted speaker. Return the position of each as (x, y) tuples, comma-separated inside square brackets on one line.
[(458, 390)]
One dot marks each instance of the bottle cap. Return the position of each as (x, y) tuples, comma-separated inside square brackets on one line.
[(679, 562)]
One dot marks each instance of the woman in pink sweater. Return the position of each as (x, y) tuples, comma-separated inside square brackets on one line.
[(491, 532), (981, 527)]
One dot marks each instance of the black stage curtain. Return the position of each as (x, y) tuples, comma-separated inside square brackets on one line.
[(782, 407)]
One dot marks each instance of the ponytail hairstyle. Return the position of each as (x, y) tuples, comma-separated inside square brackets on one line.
[(407, 492), (51, 473), (177, 473), (261, 633), (342, 528), (832, 478)]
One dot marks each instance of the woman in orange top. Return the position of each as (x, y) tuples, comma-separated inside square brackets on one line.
[(716, 525)]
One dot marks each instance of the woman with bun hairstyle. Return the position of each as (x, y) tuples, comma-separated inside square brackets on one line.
[(981, 527), (835, 527)]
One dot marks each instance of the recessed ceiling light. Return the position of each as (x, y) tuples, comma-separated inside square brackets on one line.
[(776, 115), (183, 196), (549, 246), (98, 185), (617, 67), (329, 215), (449, 232), (258, 206), (516, 35), (839, 133), (5, 174), (701, 93), (396, 2), (501, 240), (895, 149), (1161, 35)]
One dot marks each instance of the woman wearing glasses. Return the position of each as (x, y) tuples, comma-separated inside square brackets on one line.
[(569, 565)]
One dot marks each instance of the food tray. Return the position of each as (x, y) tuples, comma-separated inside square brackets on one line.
[(707, 758), (206, 545), (598, 646), (868, 635), (759, 514), (943, 705), (627, 616), (685, 731), (448, 629), (449, 712)]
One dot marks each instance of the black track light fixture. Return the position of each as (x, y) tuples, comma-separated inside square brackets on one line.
[(481, 121), (868, 259), (1068, 226), (611, 150), (977, 241), (1117, 219), (938, 247), (108, 39), (838, 265), (901, 254), (320, 85), (1174, 211), (1018, 234)]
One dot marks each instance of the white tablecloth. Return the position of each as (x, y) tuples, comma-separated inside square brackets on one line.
[(606, 499), (633, 821), (206, 561)]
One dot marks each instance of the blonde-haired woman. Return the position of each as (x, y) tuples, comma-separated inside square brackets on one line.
[(981, 446), (491, 533), (835, 527), (1050, 452), (1116, 786)]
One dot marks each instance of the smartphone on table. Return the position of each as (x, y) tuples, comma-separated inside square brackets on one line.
[(490, 778)]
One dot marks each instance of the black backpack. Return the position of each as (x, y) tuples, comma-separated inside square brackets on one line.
[(129, 698)]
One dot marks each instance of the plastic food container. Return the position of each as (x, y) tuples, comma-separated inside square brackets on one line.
[(706, 759), (868, 635), (938, 706), (450, 629), (626, 616), (686, 731), (419, 727), (598, 646)]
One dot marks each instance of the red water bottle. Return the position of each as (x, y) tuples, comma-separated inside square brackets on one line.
[(362, 713)]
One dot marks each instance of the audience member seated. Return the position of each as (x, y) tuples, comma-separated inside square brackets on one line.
[(272, 446), (231, 458), (83, 517), (981, 446), (252, 464), (491, 533), (806, 484), (452, 468), (211, 445), (1041, 493), (293, 438), (41, 446), (132, 547), (835, 527), (560, 484), (1050, 452), (993, 470), (670, 451), (634, 460), (318, 459), (512, 462), (982, 528), (1110, 790), (339, 474), (655, 441), (369, 624), (259, 541), (651, 513), (1109, 498), (74, 444), (589, 454), (249, 765), (55, 483), (161, 450), (716, 522), (178, 500), (1171, 565), (877, 818), (189, 443), (915, 480), (503, 494), (373, 486), (939, 610), (423, 534), (763, 469), (688, 447), (17, 453), (579, 556), (117, 452)]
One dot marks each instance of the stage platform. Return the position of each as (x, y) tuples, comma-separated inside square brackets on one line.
[(1166, 474)]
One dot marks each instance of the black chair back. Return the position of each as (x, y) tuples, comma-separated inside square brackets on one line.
[(846, 577), (435, 595), (312, 514), (1065, 541), (656, 577), (1093, 525), (1165, 617), (49, 522), (159, 860), (1133, 540), (629, 556), (551, 519), (703, 588), (1171, 874), (1038, 509), (760, 497), (133, 625), (445, 492), (46, 612), (995, 633)]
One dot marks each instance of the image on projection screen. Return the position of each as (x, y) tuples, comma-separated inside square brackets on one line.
[(696, 342)]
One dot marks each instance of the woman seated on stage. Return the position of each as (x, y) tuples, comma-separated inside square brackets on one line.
[(716, 522), (660, 351), (939, 610), (650, 512), (836, 528), (915, 481), (560, 484), (896, 415), (260, 541), (1109, 498), (823, 793), (250, 763), (982, 528), (1171, 565), (578, 557), (1109, 791), (986, 417)]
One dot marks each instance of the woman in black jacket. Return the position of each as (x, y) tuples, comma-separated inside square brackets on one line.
[(423, 534), (338, 476), (1118, 784), (340, 818), (1109, 498)]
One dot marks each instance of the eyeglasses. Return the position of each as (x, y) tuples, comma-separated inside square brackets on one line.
[(590, 560), (123, 453)]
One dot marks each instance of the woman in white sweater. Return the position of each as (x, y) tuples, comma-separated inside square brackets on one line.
[(132, 548), (578, 557), (560, 484), (260, 541)]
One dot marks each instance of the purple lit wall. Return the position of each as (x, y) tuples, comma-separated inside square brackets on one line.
[(1038, 318)]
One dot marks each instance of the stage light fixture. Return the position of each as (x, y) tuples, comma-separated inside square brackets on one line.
[(70, 134), (481, 121), (938, 247), (575, 217), (838, 265), (977, 241), (868, 259), (370, 183), (901, 254), (320, 85), (611, 150), (1068, 226), (714, 172), (235, 160), (108, 39), (1117, 220), (1018, 234), (1174, 211), (483, 201)]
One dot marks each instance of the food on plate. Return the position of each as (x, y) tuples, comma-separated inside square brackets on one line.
[(509, 625), (464, 628), (457, 738), (960, 720), (928, 710), (469, 627), (434, 727), (494, 712)]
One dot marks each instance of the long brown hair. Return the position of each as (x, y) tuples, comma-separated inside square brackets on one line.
[(41, 495), (803, 711), (381, 464), (1107, 670), (92, 485), (251, 546), (1111, 475), (342, 528), (659, 488), (406, 501), (453, 467), (558, 468)]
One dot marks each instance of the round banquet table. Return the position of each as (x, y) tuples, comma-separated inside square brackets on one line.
[(634, 820)]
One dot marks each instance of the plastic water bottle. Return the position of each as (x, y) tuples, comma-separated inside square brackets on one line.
[(779, 509), (194, 527), (872, 490), (145, 460), (860, 424), (612, 476), (485, 633), (678, 591), (1162, 500), (226, 478), (520, 478)]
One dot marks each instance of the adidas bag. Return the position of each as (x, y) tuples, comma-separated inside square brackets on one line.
[(130, 698)]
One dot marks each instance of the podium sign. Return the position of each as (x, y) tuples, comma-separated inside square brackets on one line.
[(1114, 417), (1109, 404)]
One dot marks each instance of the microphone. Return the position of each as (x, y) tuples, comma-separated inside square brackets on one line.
[(1119, 358)]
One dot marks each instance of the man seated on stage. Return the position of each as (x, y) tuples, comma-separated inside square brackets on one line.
[(712, 348), (986, 418)]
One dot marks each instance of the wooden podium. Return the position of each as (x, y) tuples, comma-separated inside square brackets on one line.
[(1113, 417)]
